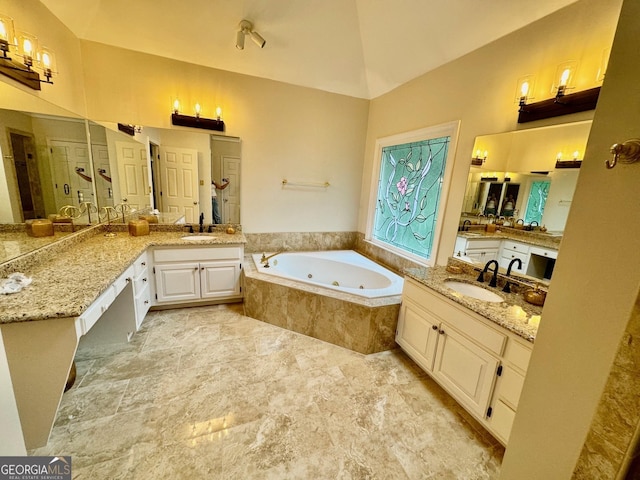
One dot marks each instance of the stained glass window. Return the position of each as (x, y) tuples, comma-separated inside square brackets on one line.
[(537, 199), (409, 194)]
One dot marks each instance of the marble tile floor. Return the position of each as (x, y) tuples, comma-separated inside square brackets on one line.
[(207, 392)]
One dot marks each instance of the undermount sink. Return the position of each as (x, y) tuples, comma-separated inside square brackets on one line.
[(195, 238), (473, 291)]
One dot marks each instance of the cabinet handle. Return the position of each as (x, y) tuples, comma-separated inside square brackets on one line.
[(441, 332), (434, 327)]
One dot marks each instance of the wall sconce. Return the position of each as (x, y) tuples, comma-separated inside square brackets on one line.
[(197, 121), (574, 163), (246, 28), (479, 159), (24, 45), (562, 103)]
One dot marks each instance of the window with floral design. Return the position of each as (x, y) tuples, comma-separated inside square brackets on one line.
[(412, 181)]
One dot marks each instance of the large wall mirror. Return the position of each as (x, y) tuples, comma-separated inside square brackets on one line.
[(532, 178), (527, 178), (52, 158)]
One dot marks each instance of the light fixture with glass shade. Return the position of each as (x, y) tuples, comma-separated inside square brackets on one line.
[(21, 55)]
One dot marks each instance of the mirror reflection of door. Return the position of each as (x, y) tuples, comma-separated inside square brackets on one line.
[(133, 174), (27, 175), (73, 180), (179, 182), (225, 163)]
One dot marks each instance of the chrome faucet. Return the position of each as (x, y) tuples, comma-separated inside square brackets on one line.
[(494, 279), (265, 259), (507, 286)]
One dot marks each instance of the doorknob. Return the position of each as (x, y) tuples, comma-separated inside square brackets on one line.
[(195, 203)]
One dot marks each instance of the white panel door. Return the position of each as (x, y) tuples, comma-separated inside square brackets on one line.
[(133, 173), (179, 182), (231, 194)]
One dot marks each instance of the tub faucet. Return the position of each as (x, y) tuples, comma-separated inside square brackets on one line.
[(494, 279), (201, 222), (265, 259), (507, 286)]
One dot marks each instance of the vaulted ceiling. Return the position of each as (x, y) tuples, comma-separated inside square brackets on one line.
[(361, 48)]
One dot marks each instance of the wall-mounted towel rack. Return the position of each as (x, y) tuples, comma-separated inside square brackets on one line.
[(286, 182)]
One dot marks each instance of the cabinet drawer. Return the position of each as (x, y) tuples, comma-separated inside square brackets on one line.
[(544, 252), (483, 243), (92, 314), (502, 420), (518, 355), (197, 254), (140, 265), (122, 281), (512, 246), (511, 387), (141, 282)]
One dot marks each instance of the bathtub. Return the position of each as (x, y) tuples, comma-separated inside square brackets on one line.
[(297, 292), (342, 270)]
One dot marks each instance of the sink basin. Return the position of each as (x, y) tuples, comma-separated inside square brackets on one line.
[(473, 291), (196, 238)]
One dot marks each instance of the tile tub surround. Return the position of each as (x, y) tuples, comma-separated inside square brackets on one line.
[(66, 283), (279, 405), (299, 241), (359, 324)]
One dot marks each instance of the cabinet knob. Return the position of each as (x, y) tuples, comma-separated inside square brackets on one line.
[(202, 268), (146, 302), (144, 279), (128, 279), (441, 332), (143, 263), (434, 327)]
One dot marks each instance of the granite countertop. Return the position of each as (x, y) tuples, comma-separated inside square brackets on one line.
[(66, 283), (537, 239), (514, 313)]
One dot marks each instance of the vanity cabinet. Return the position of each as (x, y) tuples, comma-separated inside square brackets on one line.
[(481, 250), (479, 364), (194, 274)]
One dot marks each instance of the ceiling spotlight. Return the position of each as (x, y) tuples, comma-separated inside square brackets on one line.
[(246, 28)]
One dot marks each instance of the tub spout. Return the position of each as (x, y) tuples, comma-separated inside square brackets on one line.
[(265, 259)]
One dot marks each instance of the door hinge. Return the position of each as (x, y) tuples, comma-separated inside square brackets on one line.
[(489, 411), (154, 270), (499, 371)]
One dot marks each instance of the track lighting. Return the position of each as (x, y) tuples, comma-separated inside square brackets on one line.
[(246, 28)]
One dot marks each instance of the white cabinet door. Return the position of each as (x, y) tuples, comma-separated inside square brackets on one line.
[(177, 282), (219, 279), (465, 369), (417, 334)]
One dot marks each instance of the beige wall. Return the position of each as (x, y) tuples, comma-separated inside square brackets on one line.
[(480, 89), (287, 132)]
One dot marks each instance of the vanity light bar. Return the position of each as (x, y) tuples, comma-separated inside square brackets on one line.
[(559, 105)]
